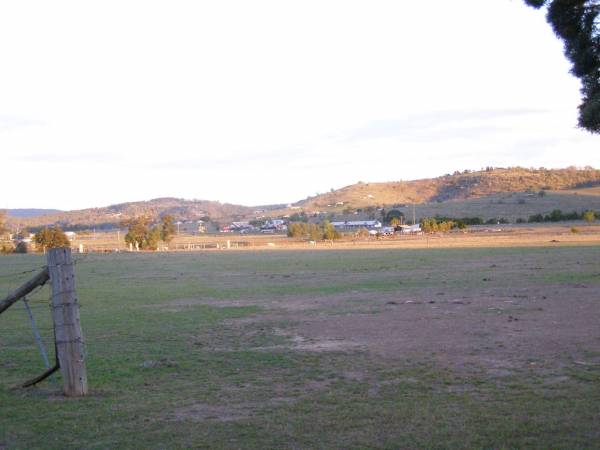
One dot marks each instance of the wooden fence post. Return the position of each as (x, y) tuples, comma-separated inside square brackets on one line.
[(65, 313)]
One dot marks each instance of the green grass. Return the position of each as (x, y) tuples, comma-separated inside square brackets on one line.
[(166, 375)]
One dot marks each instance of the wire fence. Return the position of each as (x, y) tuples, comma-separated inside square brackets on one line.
[(27, 331)]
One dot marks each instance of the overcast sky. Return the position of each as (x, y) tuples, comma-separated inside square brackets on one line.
[(257, 102)]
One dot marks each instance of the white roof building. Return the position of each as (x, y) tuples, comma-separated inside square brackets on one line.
[(357, 224)]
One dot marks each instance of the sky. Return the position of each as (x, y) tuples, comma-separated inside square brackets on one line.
[(268, 102)]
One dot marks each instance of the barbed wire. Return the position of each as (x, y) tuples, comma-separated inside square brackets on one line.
[(76, 260), (24, 272), (81, 259)]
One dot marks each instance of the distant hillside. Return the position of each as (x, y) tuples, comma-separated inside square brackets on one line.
[(30, 212), (485, 193), (458, 186), (110, 216)]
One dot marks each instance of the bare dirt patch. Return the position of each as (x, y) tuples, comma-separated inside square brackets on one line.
[(496, 333)]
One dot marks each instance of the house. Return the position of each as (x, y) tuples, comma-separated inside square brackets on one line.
[(416, 228), (275, 225), (356, 224), (241, 227)]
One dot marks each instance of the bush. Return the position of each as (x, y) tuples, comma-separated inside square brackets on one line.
[(7, 248), (22, 248), (589, 216), (472, 220), (362, 233)]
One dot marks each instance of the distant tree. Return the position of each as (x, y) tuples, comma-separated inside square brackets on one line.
[(431, 225), (394, 213), (53, 237), (2, 222), (314, 232), (21, 247), (535, 218), (297, 217), (576, 23), (329, 231), (297, 229), (137, 230), (472, 220), (555, 216), (167, 228), (153, 237), (589, 216), (6, 248), (140, 233)]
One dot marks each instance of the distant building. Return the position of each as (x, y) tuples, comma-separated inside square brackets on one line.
[(191, 227), (356, 224), (275, 225), (416, 228), (241, 227)]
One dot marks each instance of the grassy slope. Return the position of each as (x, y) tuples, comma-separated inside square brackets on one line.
[(258, 392), (453, 187), (510, 206)]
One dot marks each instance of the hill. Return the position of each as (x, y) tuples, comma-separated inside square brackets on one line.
[(30, 212), (458, 186), (111, 216), (495, 192)]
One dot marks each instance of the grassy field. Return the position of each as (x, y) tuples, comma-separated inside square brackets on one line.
[(525, 235), (388, 348)]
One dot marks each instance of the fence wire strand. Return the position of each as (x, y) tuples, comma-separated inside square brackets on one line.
[(24, 272)]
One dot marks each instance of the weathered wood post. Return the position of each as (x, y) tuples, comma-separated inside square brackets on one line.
[(65, 313)]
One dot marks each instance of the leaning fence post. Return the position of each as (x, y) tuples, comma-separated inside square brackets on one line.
[(65, 314)]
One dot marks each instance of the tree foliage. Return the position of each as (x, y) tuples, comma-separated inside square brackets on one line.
[(576, 23), (432, 225), (558, 216), (167, 228), (2, 222), (53, 237), (141, 235), (329, 231), (312, 231), (394, 214), (589, 216)]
